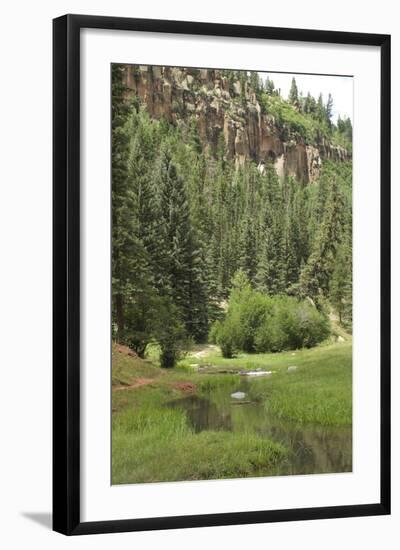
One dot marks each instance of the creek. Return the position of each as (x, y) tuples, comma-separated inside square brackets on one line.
[(312, 448)]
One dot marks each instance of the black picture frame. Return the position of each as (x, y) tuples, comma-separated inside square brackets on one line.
[(66, 273)]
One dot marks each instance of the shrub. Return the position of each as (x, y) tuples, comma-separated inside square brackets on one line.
[(251, 314), (292, 122), (214, 330), (301, 323), (228, 337), (170, 334), (262, 323), (269, 337)]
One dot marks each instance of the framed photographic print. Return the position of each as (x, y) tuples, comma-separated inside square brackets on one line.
[(221, 274)]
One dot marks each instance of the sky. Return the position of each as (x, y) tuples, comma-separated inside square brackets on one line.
[(340, 87)]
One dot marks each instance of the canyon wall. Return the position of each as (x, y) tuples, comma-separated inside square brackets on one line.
[(220, 106)]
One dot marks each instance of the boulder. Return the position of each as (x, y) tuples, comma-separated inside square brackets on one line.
[(238, 395)]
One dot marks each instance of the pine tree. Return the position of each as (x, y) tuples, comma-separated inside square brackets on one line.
[(248, 250), (194, 137), (340, 124), (309, 105), (329, 110), (243, 83), (170, 333), (320, 109), (254, 81), (271, 268), (345, 128), (139, 242), (316, 274), (270, 86), (293, 93), (213, 290), (340, 289), (293, 236), (141, 182), (124, 243), (183, 263)]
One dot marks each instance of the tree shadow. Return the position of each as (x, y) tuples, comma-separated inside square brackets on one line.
[(42, 518)]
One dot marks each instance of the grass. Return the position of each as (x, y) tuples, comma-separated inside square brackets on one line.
[(319, 391), (152, 442), (158, 445), (126, 368), (208, 384)]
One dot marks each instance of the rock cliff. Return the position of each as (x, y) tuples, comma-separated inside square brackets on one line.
[(220, 106)]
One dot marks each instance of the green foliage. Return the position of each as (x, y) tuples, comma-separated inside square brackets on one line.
[(185, 219), (271, 269), (257, 322), (340, 290), (293, 93), (333, 226), (305, 118), (343, 133), (328, 109), (270, 86), (294, 325), (170, 333), (128, 250), (227, 336), (214, 331), (293, 123)]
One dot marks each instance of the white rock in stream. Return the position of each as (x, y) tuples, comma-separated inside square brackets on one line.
[(291, 369), (238, 395), (256, 372)]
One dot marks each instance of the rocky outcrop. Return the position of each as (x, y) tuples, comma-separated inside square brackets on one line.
[(223, 108)]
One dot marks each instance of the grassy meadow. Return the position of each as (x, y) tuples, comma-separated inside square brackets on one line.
[(153, 442)]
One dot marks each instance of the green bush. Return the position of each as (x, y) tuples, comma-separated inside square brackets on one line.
[(302, 324), (256, 322), (214, 331), (292, 122), (269, 336), (251, 314), (170, 334), (228, 337)]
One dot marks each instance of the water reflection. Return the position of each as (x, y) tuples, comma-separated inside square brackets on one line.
[(203, 414), (313, 448)]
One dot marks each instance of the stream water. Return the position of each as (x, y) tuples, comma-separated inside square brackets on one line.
[(313, 448)]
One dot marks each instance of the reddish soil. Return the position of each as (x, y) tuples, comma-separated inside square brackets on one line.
[(186, 387), (125, 350), (137, 384)]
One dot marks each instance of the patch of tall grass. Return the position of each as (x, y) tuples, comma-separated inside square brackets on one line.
[(163, 421), (319, 391), (184, 455), (217, 381)]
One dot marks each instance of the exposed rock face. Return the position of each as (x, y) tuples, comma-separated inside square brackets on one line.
[(218, 108)]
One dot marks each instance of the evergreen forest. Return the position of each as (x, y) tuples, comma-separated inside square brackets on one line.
[(206, 250)]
